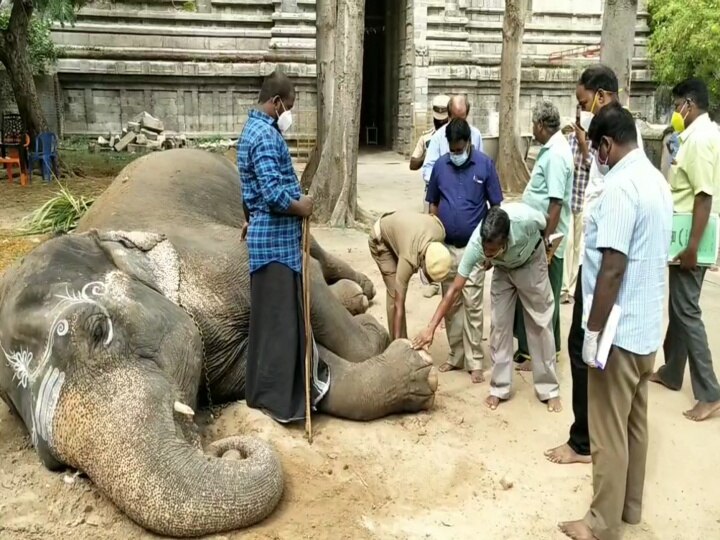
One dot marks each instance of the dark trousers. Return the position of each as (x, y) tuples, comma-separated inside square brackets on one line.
[(686, 339), (579, 432), (275, 375), (555, 274)]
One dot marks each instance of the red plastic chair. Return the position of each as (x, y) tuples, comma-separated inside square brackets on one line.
[(11, 157)]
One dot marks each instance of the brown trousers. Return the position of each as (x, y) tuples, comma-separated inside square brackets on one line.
[(387, 264), (617, 415)]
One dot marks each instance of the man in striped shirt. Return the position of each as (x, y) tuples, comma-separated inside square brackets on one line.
[(582, 159), (626, 251), (274, 208)]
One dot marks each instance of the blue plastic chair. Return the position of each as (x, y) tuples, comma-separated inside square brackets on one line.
[(45, 153)]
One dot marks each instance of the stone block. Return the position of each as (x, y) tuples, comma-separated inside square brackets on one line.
[(125, 141), (139, 149), (149, 135), (149, 122), (133, 126)]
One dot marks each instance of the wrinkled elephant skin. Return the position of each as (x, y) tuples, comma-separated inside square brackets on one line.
[(112, 336)]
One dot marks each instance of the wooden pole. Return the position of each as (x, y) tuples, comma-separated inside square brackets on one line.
[(308, 328)]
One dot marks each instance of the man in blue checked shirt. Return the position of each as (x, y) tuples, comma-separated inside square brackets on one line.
[(274, 208), (463, 186)]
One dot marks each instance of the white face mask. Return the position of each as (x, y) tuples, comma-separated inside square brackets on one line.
[(586, 118), (285, 119)]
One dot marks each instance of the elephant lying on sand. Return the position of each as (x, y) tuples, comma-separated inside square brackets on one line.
[(106, 334)]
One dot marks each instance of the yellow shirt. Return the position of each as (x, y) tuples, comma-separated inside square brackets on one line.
[(422, 144), (697, 167)]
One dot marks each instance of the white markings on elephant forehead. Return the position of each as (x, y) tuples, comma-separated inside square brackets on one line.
[(166, 270), (19, 361), (47, 399)]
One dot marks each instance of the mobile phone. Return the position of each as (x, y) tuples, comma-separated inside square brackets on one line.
[(577, 115)]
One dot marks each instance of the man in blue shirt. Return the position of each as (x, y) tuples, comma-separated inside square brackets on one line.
[(463, 185), (274, 208)]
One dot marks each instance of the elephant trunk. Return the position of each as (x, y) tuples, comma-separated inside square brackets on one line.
[(121, 429)]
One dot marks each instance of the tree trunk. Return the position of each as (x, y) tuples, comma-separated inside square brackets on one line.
[(333, 183), (618, 42), (14, 56), (511, 165)]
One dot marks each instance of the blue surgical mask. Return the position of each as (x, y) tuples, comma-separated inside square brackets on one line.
[(459, 159)]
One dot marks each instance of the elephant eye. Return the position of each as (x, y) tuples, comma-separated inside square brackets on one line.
[(98, 328)]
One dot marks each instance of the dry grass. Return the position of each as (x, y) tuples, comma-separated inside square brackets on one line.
[(14, 247)]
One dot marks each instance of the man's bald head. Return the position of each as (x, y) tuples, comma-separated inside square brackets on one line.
[(459, 107), (277, 84)]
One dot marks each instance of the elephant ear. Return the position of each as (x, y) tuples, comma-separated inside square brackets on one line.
[(148, 257)]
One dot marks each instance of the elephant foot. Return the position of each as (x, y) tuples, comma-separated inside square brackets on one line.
[(400, 380), (367, 286), (350, 295)]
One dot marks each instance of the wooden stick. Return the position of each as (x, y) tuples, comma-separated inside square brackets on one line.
[(308, 328)]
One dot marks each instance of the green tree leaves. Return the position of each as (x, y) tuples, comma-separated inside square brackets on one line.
[(685, 42)]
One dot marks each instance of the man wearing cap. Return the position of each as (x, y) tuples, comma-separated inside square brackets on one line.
[(440, 118), (458, 107), (463, 186), (509, 238), (403, 243)]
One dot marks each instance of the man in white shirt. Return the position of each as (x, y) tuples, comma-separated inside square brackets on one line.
[(458, 107), (627, 237), (597, 88)]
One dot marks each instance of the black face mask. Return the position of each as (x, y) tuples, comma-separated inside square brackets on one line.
[(439, 123)]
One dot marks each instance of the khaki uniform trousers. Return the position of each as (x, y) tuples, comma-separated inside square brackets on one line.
[(464, 321), (531, 284), (617, 416), (387, 263)]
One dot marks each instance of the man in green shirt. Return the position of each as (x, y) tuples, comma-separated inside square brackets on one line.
[(695, 186), (509, 239), (548, 191)]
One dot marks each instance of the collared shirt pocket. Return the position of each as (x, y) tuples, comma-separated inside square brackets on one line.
[(475, 189)]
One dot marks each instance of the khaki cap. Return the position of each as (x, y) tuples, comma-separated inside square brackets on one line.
[(440, 107), (438, 261)]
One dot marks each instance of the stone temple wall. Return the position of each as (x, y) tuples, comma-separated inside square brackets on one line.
[(197, 65), (460, 46)]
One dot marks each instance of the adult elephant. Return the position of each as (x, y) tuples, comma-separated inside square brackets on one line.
[(113, 335)]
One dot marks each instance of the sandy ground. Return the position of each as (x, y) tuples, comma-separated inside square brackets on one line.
[(435, 475)]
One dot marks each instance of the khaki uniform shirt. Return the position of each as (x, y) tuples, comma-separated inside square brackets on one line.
[(408, 235), (422, 144)]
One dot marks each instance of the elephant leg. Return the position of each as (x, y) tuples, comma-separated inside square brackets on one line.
[(350, 295), (355, 338), (335, 269), (399, 380)]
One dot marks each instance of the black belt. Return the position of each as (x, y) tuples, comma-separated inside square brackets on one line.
[(538, 244)]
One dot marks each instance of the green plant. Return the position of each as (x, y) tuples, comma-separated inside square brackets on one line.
[(60, 214), (685, 42), (42, 50)]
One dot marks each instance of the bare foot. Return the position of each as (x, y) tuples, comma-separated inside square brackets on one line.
[(564, 455), (702, 411), (554, 404), (525, 366), (492, 402), (577, 530), (447, 366), (476, 375), (655, 377)]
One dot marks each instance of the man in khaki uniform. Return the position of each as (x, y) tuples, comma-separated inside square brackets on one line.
[(401, 244), (440, 118)]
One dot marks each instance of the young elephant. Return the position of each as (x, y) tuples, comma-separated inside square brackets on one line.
[(111, 337)]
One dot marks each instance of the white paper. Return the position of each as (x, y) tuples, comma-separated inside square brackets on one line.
[(607, 336)]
